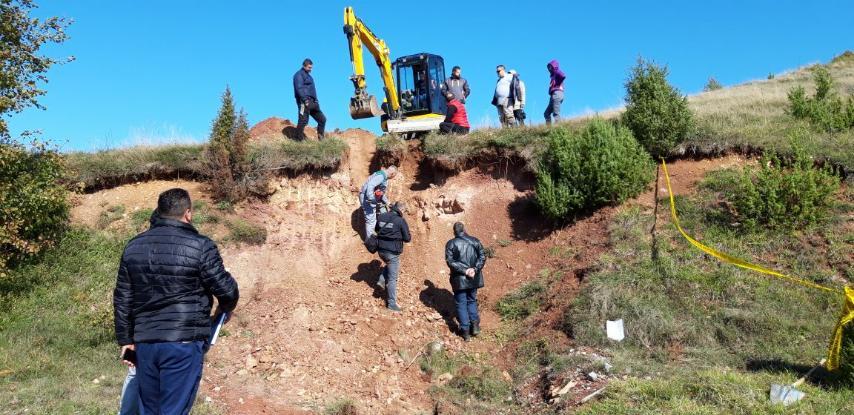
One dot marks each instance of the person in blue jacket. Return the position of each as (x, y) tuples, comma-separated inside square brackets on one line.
[(306, 96)]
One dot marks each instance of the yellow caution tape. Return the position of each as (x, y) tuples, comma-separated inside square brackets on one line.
[(847, 311)]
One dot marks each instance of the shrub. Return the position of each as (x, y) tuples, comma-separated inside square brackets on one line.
[(712, 85), (601, 164), (33, 203), (656, 112), (247, 232), (219, 151), (522, 303), (825, 110), (780, 196)]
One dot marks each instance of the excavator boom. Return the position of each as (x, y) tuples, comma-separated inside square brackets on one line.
[(362, 104)]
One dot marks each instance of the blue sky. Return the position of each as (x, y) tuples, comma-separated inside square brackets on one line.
[(150, 72)]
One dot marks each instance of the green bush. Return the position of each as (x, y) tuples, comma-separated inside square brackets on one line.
[(781, 196), (599, 165), (712, 85), (33, 203), (825, 110), (656, 112), (247, 232)]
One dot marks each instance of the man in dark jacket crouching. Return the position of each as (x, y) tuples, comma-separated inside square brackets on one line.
[(466, 257), (392, 232), (162, 302)]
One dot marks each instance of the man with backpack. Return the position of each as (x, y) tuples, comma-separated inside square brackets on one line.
[(373, 194), (466, 258), (392, 231)]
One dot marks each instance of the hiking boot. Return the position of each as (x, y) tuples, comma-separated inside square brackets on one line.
[(475, 327), (394, 307), (465, 334), (381, 284)]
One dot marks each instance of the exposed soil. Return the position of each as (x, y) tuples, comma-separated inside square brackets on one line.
[(312, 326)]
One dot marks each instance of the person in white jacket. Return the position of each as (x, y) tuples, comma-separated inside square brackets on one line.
[(519, 106)]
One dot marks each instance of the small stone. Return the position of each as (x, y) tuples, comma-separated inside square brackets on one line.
[(444, 378), (251, 362), (96, 381), (593, 376), (208, 399)]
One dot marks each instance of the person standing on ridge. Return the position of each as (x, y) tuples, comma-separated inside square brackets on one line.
[(457, 85), (373, 194), (466, 258), (167, 278), (506, 92), (519, 105), (392, 232), (456, 119), (555, 91), (306, 96)]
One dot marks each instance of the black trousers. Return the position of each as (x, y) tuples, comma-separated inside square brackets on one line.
[(310, 108), (451, 128)]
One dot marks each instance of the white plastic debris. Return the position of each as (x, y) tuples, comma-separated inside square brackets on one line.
[(614, 330)]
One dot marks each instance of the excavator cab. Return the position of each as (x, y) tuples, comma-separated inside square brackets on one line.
[(419, 81)]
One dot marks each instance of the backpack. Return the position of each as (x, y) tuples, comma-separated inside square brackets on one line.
[(371, 243)]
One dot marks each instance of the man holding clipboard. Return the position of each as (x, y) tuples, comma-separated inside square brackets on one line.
[(165, 286)]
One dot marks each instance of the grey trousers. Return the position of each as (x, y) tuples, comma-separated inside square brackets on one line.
[(553, 108)]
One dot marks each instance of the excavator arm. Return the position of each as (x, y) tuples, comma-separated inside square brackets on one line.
[(362, 104)]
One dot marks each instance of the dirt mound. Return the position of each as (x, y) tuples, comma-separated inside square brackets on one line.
[(277, 127)]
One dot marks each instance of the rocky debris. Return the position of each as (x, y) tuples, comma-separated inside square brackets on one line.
[(434, 347)]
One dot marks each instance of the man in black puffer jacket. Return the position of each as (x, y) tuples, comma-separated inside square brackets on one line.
[(392, 232), (162, 302), (466, 258)]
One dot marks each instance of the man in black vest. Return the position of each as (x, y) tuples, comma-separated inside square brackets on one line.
[(392, 232), (166, 282), (466, 258)]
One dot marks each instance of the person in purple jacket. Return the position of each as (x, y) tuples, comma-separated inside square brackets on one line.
[(555, 91)]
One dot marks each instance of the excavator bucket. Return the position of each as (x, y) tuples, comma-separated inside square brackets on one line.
[(365, 107)]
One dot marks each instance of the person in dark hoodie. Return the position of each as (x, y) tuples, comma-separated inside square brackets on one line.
[(466, 258), (392, 232), (306, 96), (457, 85), (555, 91), (167, 278)]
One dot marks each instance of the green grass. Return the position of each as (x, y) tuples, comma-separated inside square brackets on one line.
[(711, 333), (754, 114), (454, 152), (476, 387), (523, 302), (110, 215), (341, 406), (56, 329), (714, 390), (297, 156), (243, 231), (390, 149), (110, 167)]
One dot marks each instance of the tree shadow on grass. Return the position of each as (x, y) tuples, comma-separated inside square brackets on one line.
[(440, 300)]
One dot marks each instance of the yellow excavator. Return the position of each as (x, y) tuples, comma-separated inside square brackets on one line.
[(413, 102)]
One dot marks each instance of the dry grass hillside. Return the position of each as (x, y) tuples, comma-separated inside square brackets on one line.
[(754, 114)]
